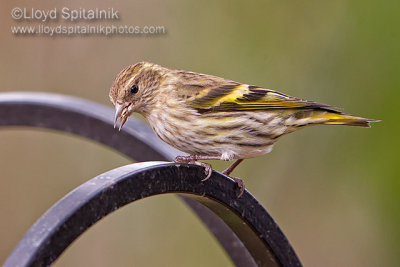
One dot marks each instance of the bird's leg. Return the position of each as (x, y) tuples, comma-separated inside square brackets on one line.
[(239, 181), (232, 167), (194, 159)]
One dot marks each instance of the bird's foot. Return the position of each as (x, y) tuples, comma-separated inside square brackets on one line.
[(239, 182), (193, 160)]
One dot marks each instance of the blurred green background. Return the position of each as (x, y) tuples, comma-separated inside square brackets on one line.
[(333, 190)]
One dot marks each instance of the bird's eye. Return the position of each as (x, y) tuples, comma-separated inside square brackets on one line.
[(134, 89)]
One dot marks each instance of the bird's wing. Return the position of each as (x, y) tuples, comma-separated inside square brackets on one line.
[(232, 96)]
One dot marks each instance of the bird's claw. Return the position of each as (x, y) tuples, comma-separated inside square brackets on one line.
[(207, 170), (239, 183), (207, 167)]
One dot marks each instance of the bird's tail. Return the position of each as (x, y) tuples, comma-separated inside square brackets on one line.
[(342, 119)]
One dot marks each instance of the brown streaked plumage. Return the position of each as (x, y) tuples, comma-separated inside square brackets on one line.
[(210, 117)]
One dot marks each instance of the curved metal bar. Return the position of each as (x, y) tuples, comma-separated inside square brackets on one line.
[(83, 118), (95, 121), (136, 140), (93, 200)]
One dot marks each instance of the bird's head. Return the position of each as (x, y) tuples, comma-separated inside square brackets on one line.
[(134, 90)]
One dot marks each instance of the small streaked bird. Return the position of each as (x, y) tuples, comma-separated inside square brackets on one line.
[(212, 118)]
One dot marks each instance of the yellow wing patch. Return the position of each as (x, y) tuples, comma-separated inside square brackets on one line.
[(240, 97), (237, 92)]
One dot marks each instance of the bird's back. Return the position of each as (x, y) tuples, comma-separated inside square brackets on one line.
[(210, 94)]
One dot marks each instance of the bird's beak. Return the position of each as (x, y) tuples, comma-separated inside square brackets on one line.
[(120, 113)]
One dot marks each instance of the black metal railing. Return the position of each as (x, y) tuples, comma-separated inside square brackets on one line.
[(242, 226)]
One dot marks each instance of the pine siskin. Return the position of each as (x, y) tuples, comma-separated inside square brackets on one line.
[(212, 118)]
